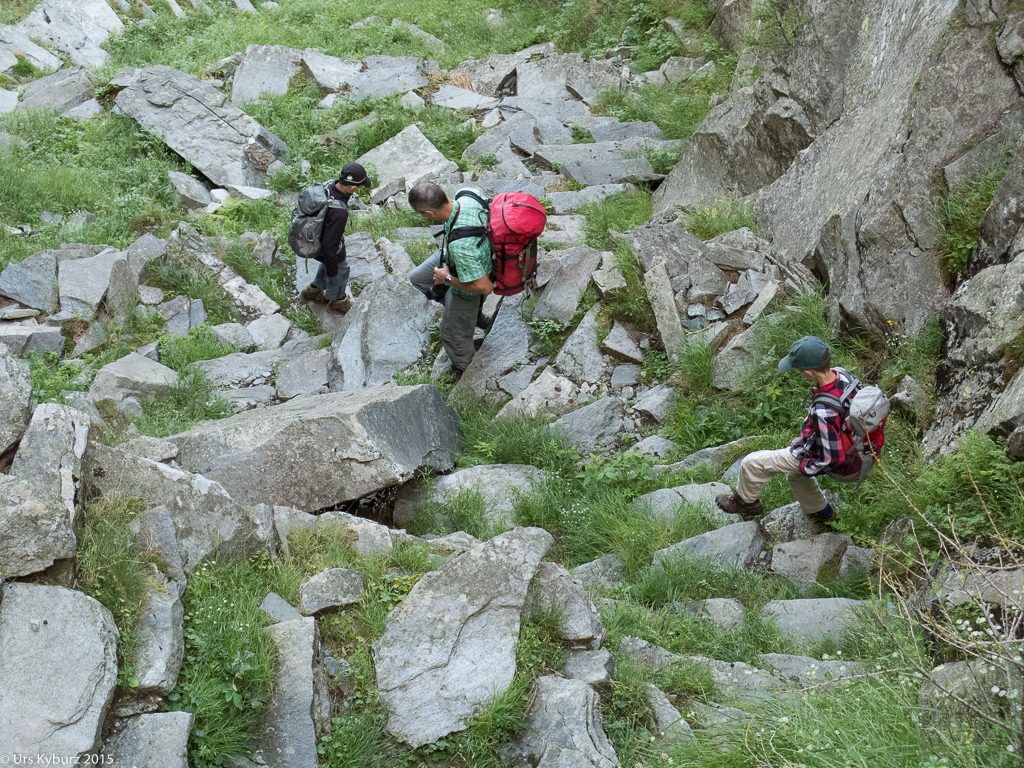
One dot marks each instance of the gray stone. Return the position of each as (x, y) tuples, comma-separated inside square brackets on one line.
[(656, 404), (58, 671), (14, 40), (287, 519), (84, 282), (308, 374), (1010, 41), (1004, 216), (567, 202), (800, 561), (60, 92), (645, 654), (789, 523), (554, 395), (160, 644), (579, 358), (176, 313), (241, 370), (911, 397), (298, 714), (413, 101), (734, 360), (808, 671), (265, 69), (767, 295), (269, 332), (450, 646), (395, 258), (408, 155), (808, 620), (247, 398), (608, 278), (625, 376), (244, 192), (563, 291), (279, 609), (153, 739), (562, 232), (206, 520), (329, 72), (154, 532), (144, 250), (565, 717), (671, 725), (387, 330), (666, 314), (604, 573), (32, 282), (856, 561), (595, 668), (490, 75), (618, 344), (190, 194), (500, 485), (75, 27), (152, 448), (16, 396), (655, 446), (554, 591), (723, 612), (333, 588), (132, 376), (29, 336), (506, 348), (734, 545), (558, 77), (459, 98), (388, 433), (593, 427), (235, 334), (199, 123), (977, 683), (713, 457)]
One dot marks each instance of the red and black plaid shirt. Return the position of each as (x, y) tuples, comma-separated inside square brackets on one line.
[(818, 447)]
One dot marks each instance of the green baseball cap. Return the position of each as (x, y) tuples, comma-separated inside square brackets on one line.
[(806, 354)]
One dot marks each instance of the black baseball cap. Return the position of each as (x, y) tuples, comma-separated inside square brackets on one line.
[(354, 175), (806, 354)]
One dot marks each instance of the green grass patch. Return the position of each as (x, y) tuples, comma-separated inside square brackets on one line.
[(412, 377), (194, 400), (384, 222), (51, 376), (179, 352), (178, 278), (230, 658), (112, 567), (958, 217), (465, 511), (516, 440), (719, 217), (622, 212), (631, 305)]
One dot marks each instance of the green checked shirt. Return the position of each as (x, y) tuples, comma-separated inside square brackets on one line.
[(470, 258)]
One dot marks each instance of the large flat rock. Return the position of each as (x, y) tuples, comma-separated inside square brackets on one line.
[(409, 155), (199, 123), (450, 647), (315, 452), (58, 669), (75, 27), (153, 740), (265, 69)]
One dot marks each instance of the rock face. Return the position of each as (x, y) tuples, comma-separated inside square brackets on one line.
[(15, 399), (564, 719), (57, 671), (450, 647), (206, 519), (315, 452), (199, 123)]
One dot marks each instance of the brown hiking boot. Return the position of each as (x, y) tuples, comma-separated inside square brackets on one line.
[(734, 505), (339, 306), (312, 293)]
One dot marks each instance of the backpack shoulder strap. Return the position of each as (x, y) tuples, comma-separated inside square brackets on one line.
[(473, 195)]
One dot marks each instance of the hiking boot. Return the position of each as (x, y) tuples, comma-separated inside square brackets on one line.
[(827, 515), (734, 505), (339, 306), (312, 293)]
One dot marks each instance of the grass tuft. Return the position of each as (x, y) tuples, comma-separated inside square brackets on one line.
[(712, 220), (958, 216)]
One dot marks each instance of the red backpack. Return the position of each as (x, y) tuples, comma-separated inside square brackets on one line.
[(515, 221)]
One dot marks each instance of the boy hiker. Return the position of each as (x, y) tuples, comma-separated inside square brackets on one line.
[(818, 450), (464, 265), (328, 287)]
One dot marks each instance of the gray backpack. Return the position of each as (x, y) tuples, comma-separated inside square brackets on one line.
[(308, 216)]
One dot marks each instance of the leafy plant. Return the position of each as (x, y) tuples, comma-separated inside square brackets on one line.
[(549, 335), (581, 135), (626, 470)]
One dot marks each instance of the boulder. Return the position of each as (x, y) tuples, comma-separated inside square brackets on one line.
[(565, 718), (450, 646), (387, 330), (241, 370), (333, 588), (206, 520), (568, 202), (58, 670), (199, 123), (408, 155), (789, 523), (553, 590), (733, 361), (190, 194), (593, 427), (595, 668), (16, 396), (278, 609), (459, 98), (85, 282), (734, 545), (490, 75), (329, 72), (579, 358), (656, 404), (619, 345), (269, 331), (807, 620), (565, 288), (655, 446), (132, 376), (160, 644), (30, 336), (33, 282), (154, 531), (671, 725), (506, 348), (61, 92), (723, 612), (800, 561), (75, 27), (308, 374), (384, 76), (14, 40), (807, 671), (298, 714), (549, 394), (604, 573), (265, 69), (153, 739), (289, 455)]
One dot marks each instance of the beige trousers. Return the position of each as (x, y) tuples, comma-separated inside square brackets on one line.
[(761, 466)]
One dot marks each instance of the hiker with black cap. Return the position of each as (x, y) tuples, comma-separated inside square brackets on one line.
[(818, 450), (328, 287)]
